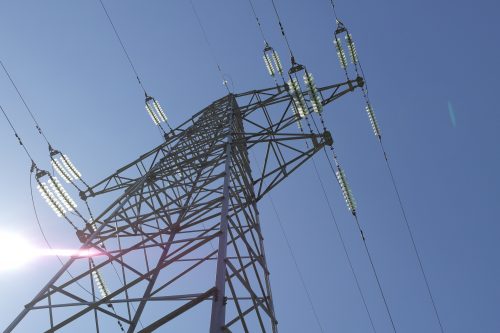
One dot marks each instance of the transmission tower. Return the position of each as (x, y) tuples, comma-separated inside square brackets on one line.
[(182, 238)]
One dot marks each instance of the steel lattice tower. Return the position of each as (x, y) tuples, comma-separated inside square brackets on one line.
[(182, 240)]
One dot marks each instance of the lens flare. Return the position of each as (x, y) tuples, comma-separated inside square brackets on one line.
[(16, 251)]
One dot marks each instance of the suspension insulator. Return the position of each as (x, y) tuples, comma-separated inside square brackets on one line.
[(159, 110), (269, 64), (270, 57), (297, 116), (373, 120), (277, 62), (61, 193), (51, 199), (63, 166), (155, 110), (99, 281), (61, 171), (346, 190), (340, 53), (313, 92), (352, 48), (298, 97)]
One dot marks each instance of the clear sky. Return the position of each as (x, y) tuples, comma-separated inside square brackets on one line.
[(432, 68)]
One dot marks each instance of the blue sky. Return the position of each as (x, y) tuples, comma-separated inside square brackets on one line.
[(419, 57)]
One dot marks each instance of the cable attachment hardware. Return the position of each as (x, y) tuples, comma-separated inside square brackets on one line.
[(340, 27)]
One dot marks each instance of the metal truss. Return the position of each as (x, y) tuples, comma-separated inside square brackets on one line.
[(182, 241)]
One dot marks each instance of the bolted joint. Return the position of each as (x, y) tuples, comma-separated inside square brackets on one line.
[(327, 136), (360, 81), (83, 196), (81, 236)]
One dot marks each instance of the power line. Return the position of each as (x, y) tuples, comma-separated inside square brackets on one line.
[(340, 177), (365, 91), (292, 255), (155, 111), (333, 8), (343, 245), (15, 134), (410, 232), (282, 29), (325, 195), (37, 126), (257, 20), (375, 272), (209, 46), (123, 46)]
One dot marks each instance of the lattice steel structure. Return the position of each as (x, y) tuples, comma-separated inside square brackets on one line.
[(182, 242)]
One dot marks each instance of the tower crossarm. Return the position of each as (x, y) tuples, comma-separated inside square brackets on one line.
[(269, 130)]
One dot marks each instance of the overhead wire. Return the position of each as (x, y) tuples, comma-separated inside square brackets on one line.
[(31, 192), (41, 173), (155, 111), (318, 176), (37, 125), (35, 168), (353, 211), (344, 247), (132, 66), (345, 189), (293, 256), (365, 91), (282, 29), (19, 140), (283, 232), (412, 238), (65, 167), (258, 21), (45, 238), (209, 46)]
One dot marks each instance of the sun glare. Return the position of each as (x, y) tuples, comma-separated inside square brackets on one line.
[(16, 251)]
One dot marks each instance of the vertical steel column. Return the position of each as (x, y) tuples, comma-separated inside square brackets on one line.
[(218, 317)]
